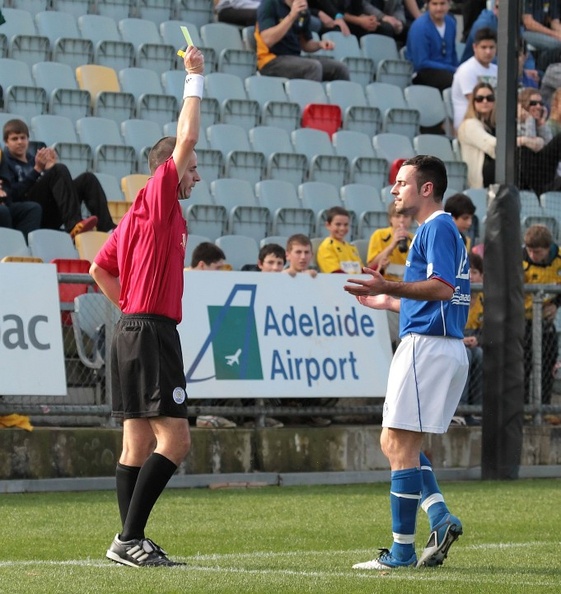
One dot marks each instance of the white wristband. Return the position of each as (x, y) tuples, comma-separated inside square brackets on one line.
[(194, 85)]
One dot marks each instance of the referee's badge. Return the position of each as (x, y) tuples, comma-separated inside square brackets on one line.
[(179, 395)]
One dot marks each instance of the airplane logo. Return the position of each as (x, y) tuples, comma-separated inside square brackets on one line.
[(235, 358)]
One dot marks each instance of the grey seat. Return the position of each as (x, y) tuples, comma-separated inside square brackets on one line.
[(319, 197), (152, 52), (348, 51), (370, 211), (276, 108), (49, 244), (397, 116), (109, 47), (239, 250), (12, 243), (235, 106), (358, 115)]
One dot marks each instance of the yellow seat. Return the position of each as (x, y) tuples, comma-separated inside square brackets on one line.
[(30, 259), (118, 209), (97, 79), (89, 243), (131, 184)]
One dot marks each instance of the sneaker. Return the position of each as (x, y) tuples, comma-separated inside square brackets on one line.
[(83, 226), (458, 421), (440, 541), (472, 421), (386, 561), (214, 422), (138, 553)]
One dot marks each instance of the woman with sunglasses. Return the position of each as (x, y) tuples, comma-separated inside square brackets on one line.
[(476, 135), (532, 119)]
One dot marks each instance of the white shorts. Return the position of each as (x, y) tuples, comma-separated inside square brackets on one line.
[(426, 380)]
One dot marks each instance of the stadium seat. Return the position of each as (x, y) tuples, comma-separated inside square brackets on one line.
[(19, 37), (111, 186), (395, 72), (366, 166), (322, 116), (170, 31), (132, 184), (152, 52), (233, 57), (67, 45), (281, 240), (20, 93), (240, 161), (73, 7), (108, 101), (109, 47), (357, 114), (281, 161), (362, 247), (151, 102), (198, 12), (49, 245), (378, 47), (64, 96), (209, 220), (276, 109), (397, 116), (434, 144), (248, 38), (288, 216), (12, 243), (245, 215), (116, 9), (319, 197), (155, 10), (428, 102), (370, 211), (393, 146), (88, 244), (239, 250), (348, 51), (323, 164), (141, 135), (303, 91), (235, 107)]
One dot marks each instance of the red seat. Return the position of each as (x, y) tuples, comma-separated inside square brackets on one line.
[(68, 291), (395, 167), (322, 116)]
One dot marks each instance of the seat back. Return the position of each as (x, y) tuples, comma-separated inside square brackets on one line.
[(49, 245), (97, 28), (221, 36), (52, 129), (239, 250), (97, 131), (12, 243), (303, 91), (88, 244)]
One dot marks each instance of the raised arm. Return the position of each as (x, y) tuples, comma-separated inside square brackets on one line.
[(189, 122)]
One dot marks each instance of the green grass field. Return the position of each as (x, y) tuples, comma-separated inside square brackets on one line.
[(281, 541)]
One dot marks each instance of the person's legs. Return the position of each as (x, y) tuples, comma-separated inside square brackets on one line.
[(333, 69), (5, 216), (540, 41), (90, 192), (294, 67), (26, 216), (550, 347), (56, 194), (434, 77), (243, 17)]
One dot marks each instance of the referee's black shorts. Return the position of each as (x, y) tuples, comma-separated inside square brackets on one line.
[(147, 368)]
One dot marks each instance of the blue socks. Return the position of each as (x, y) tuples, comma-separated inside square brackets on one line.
[(405, 494), (432, 500)]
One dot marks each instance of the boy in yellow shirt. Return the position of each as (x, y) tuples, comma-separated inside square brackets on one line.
[(334, 253)]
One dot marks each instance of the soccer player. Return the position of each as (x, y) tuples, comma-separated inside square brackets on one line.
[(429, 368), (140, 269)]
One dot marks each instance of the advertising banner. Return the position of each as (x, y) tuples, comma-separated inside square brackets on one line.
[(31, 350), (267, 335)]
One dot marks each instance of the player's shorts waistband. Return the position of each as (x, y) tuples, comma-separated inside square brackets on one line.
[(429, 336), (143, 317)]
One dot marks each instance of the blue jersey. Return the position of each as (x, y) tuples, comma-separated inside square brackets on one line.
[(437, 251)]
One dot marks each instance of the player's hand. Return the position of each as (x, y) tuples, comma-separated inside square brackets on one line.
[(375, 301), (375, 285), (194, 60)]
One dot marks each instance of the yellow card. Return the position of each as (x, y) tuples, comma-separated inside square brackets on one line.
[(185, 32)]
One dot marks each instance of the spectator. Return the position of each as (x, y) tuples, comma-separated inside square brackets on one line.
[(479, 68), (476, 135), (462, 210), (299, 255), (207, 256), (334, 253), (431, 46), (242, 13), (553, 123), (387, 253), (359, 15), (413, 10), (330, 17), (538, 153), (272, 258), (542, 27), (541, 263), (23, 216), (282, 32), (471, 9), (391, 19), (42, 179)]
